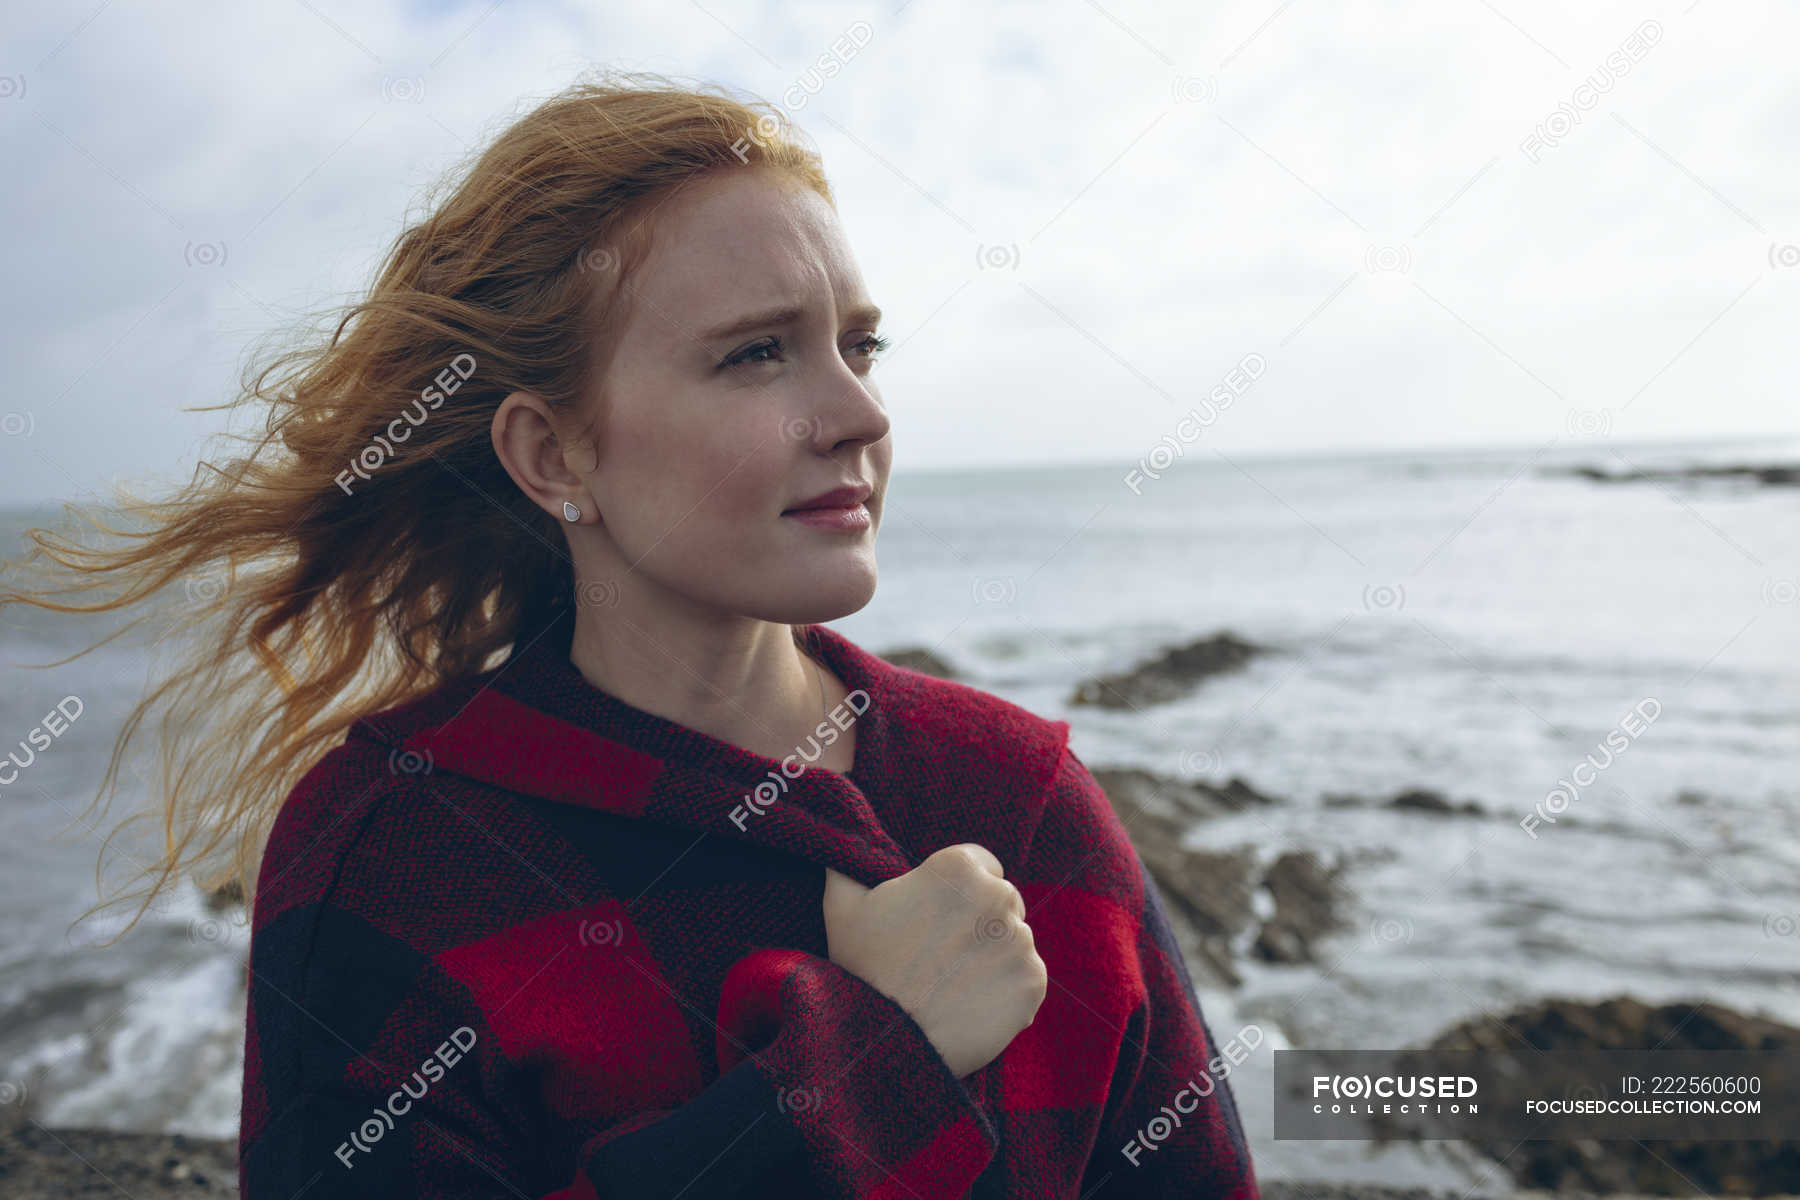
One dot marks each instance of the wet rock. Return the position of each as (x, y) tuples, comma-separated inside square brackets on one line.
[(1212, 894), (917, 658), (1307, 897), (1425, 800), (1415, 799), (1134, 788), (1169, 677), (1716, 1166), (226, 897), (1767, 474)]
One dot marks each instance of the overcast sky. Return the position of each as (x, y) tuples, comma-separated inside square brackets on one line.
[(1456, 223)]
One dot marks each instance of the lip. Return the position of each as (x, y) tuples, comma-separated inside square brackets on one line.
[(838, 499), (853, 519)]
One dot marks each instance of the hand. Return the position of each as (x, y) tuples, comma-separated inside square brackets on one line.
[(947, 942)]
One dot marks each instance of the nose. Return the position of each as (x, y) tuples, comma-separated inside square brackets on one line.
[(848, 410)]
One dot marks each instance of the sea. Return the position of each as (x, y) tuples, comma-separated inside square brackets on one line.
[(1608, 671)]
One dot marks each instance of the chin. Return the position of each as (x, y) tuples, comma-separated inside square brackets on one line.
[(835, 589)]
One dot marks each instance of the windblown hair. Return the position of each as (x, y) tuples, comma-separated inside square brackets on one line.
[(372, 546)]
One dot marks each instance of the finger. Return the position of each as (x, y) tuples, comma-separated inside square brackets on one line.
[(982, 856)]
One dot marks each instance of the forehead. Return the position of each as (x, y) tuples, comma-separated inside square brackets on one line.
[(737, 241)]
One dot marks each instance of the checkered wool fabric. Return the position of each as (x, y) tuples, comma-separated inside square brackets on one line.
[(521, 939)]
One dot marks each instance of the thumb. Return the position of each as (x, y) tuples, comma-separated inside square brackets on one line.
[(840, 887)]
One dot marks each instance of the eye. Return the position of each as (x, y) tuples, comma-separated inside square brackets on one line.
[(870, 347), (773, 345), (873, 345)]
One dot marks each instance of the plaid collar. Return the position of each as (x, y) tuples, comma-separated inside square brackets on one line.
[(535, 725)]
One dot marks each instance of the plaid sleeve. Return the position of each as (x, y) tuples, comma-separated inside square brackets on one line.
[(1170, 1126), (378, 1076), (880, 1112), (370, 1070)]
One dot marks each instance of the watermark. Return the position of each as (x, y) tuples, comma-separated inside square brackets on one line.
[(1345, 1091), (1392, 259), (204, 254), (444, 384), (997, 256), (1589, 422), (799, 1099), (1198, 764), (770, 789), (1558, 799), (1194, 89), (1560, 1095), (39, 737), (1561, 122), (405, 760), (601, 932), (1384, 597), (1196, 421), (1157, 1130), (406, 88), (839, 54), (381, 1120), (994, 589)]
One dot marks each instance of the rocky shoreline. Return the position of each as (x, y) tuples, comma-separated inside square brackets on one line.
[(60, 1164)]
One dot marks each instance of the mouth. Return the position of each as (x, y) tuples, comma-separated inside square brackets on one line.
[(839, 518)]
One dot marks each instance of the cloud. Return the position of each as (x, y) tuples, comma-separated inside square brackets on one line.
[(1076, 226)]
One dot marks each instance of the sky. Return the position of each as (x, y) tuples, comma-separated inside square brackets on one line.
[(1265, 228)]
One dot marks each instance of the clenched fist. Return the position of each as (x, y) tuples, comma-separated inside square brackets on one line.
[(947, 942)]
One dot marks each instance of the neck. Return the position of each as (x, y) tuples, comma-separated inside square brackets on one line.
[(744, 682)]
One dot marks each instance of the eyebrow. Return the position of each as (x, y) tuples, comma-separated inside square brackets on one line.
[(787, 314)]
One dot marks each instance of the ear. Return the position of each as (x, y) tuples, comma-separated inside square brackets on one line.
[(525, 441)]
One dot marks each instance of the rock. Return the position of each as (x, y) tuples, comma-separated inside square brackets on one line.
[(1238, 795), (34, 1166), (1132, 788), (1416, 799), (1767, 474), (38, 1164), (1716, 1166), (917, 658), (1173, 675), (1425, 800), (1212, 893), (1306, 897), (225, 897)]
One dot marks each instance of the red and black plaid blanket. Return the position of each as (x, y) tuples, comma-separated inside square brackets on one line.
[(521, 939)]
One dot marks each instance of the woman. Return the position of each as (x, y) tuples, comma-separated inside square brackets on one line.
[(686, 894)]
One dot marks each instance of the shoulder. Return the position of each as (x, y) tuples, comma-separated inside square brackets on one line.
[(323, 815), (946, 716), (361, 822), (1079, 837)]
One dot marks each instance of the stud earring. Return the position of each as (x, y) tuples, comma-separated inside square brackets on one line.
[(570, 511)]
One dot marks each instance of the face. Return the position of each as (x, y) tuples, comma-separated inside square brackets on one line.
[(740, 390)]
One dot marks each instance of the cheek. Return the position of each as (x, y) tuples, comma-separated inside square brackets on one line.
[(695, 488)]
